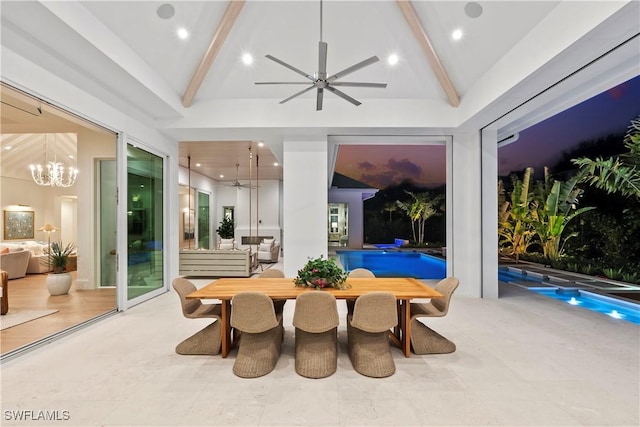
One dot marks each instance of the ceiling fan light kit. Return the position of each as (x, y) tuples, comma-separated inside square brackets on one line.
[(320, 81)]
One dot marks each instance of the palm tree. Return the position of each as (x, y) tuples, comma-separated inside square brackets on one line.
[(390, 207), (422, 207), (616, 174)]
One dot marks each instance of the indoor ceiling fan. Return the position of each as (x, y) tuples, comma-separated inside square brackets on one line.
[(320, 81), (237, 184)]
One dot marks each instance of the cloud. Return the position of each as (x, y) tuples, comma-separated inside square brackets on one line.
[(380, 180), (404, 167), (366, 165)]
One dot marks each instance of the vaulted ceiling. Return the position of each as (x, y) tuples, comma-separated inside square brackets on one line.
[(125, 54)]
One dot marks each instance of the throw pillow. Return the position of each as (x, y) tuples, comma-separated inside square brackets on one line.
[(264, 247), (269, 241), (226, 246), (226, 241), (4, 251)]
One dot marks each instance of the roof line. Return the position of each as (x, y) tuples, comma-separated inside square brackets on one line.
[(421, 36), (219, 37)]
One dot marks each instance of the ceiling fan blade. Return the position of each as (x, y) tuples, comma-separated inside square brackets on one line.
[(354, 84), (319, 99), (322, 60), (297, 94), (344, 96), (291, 67), (282, 83), (353, 68)]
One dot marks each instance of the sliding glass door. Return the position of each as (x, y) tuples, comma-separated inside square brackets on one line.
[(145, 225)]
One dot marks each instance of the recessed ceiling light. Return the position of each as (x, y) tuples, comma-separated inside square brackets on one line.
[(275, 163), (70, 156), (247, 59), (183, 33), (221, 176), (392, 59), (457, 34), (8, 147), (260, 144), (198, 165)]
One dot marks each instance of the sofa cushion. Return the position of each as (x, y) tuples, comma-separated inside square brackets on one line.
[(265, 247), (226, 246)]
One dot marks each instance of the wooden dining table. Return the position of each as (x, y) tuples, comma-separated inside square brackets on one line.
[(404, 289)]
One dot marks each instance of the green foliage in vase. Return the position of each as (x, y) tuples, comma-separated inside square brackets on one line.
[(321, 273), (225, 230), (59, 256)]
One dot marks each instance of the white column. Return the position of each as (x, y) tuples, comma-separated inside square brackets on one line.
[(465, 255), (305, 195), (489, 214)]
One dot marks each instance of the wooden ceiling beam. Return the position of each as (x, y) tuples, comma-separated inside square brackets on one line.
[(219, 37), (421, 36)]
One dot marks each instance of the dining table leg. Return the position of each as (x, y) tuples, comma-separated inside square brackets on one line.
[(226, 328), (406, 328)]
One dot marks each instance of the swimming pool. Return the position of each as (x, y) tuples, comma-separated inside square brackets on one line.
[(602, 304), (395, 263)]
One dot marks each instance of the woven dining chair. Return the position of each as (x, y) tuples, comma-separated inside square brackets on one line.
[(316, 325), (425, 340), (261, 333), (368, 327), (278, 304), (358, 273), (206, 341)]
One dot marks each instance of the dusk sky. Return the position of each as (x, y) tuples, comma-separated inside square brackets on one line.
[(382, 165), (538, 146)]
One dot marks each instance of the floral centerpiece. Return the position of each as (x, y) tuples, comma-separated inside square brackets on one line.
[(321, 273)]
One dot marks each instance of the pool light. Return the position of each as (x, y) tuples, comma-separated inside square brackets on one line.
[(615, 314), (574, 301)]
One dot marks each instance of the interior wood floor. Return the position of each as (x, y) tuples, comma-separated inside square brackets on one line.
[(30, 293)]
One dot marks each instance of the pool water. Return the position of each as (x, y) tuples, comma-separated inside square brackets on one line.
[(594, 302), (602, 304), (395, 263)]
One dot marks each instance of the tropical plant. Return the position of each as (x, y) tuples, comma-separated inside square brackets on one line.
[(390, 207), (619, 174), (420, 208), (550, 218), (630, 277), (612, 273), (58, 256), (225, 230), (514, 220), (321, 273)]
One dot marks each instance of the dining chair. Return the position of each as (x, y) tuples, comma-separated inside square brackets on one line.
[(425, 340), (278, 304), (316, 325), (359, 273), (368, 327), (260, 337), (207, 340)]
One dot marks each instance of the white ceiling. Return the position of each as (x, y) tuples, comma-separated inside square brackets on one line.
[(124, 54)]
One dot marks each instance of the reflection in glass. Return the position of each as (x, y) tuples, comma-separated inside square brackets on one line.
[(203, 221), (144, 222)]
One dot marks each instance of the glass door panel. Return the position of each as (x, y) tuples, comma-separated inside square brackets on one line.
[(144, 222), (204, 225), (108, 209)]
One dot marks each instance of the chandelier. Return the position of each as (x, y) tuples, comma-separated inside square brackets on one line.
[(54, 173)]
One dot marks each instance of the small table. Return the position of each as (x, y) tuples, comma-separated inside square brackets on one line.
[(403, 288)]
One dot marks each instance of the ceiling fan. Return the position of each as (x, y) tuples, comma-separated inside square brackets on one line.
[(320, 81), (237, 184)]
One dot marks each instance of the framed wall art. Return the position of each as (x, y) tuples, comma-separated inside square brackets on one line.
[(18, 225)]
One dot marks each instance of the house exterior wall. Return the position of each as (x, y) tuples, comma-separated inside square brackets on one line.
[(353, 198)]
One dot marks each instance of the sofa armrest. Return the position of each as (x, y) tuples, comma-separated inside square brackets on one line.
[(15, 263)]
